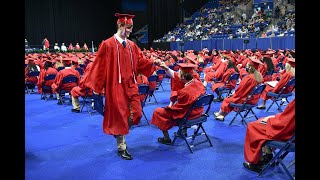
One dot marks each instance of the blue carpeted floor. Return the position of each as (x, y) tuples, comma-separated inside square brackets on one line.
[(63, 145)]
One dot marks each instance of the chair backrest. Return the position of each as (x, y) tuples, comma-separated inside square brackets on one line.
[(99, 103), (269, 73), (60, 68), (153, 78), (161, 71), (33, 73), (289, 86), (80, 70), (234, 76), (258, 89), (143, 88), (50, 77), (70, 79), (202, 101)]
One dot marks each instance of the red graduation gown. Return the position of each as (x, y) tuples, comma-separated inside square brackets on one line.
[(80, 90), (224, 78), (162, 117), (42, 75), (282, 82), (107, 70), (60, 75), (241, 93), (176, 84), (280, 128)]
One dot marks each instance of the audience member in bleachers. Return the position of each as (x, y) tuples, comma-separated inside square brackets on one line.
[(243, 90), (279, 127), (163, 117)]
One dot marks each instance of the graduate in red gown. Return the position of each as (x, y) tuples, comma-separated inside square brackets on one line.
[(243, 90), (115, 69), (279, 127), (45, 44), (193, 88), (81, 89), (289, 73), (68, 70), (48, 69), (33, 80), (231, 69), (176, 83)]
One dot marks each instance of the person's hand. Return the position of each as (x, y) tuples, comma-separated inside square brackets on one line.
[(164, 66), (157, 62)]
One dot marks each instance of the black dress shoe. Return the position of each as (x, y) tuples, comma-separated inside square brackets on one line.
[(261, 107), (75, 110), (124, 154), (162, 140), (267, 158), (254, 167)]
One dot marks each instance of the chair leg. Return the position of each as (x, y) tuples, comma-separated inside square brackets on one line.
[(145, 117), (238, 112), (205, 133), (270, 105)]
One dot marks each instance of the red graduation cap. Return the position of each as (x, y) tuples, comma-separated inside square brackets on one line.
[(187, 67), (124, 18), (255, 62), (66, 60)]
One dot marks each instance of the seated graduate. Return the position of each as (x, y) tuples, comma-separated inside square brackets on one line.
[(243, 90), (176, 83), (48, 69), (163, 118), (231, 69), (81, 89), (290, 72), (279, 127), (60, 75), (31, 66)]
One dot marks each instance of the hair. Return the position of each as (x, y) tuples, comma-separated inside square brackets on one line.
[(32, 67), (268, 61), (231, 65), (289, 68), (174, 57), (257, 75), (47, 64), (187, 76)]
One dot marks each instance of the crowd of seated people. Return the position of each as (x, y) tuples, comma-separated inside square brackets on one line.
[(223, 22), (251, 64)]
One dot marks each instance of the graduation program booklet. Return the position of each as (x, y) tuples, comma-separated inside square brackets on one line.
[(272, 83)]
